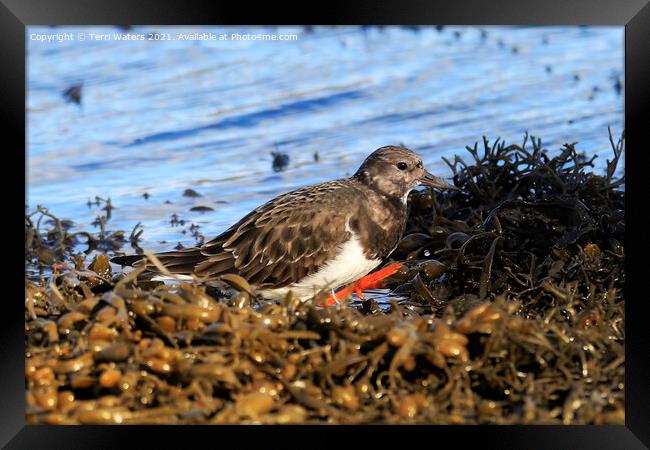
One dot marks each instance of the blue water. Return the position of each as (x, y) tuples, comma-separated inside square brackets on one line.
[(159, 117)]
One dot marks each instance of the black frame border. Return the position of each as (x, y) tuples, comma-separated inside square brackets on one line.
[(634, 15)]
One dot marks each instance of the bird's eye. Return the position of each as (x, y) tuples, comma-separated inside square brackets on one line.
[(402, 166)]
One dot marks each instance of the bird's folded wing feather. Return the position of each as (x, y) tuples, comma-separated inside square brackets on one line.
[(277, 244)]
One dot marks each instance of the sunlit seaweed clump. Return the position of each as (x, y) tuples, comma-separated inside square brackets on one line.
[(509, 310)]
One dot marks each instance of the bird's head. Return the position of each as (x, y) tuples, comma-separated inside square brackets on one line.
[(395, 171)]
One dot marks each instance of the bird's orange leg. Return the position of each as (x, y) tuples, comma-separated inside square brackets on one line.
[(373, 280)]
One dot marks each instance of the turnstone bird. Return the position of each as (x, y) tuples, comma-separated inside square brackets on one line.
[(317, 238)]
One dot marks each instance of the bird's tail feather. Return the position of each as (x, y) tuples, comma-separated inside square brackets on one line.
[(127, 260), (182, 262)]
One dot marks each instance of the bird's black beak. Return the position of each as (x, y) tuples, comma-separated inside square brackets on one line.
[(436, 182)]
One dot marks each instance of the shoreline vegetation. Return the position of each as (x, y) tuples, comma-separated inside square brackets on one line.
[(510, 309)]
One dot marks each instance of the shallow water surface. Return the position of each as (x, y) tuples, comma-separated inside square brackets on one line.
[(157, 118)]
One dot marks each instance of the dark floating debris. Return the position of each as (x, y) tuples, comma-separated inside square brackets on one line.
[(201, 209), (176, 221), (616, 83), (191, 193), (194, 231), (73, 93), (511, 311), (280, 161)]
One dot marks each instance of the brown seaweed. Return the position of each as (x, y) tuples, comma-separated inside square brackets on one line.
[(511, 311)]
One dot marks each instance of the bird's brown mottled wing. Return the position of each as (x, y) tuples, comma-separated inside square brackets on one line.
[(279, 243)]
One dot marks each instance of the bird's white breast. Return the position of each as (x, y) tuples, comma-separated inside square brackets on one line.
[(176, 277), (349, 265)]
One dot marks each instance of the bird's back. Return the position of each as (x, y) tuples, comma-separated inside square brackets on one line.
[(279, 243)]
